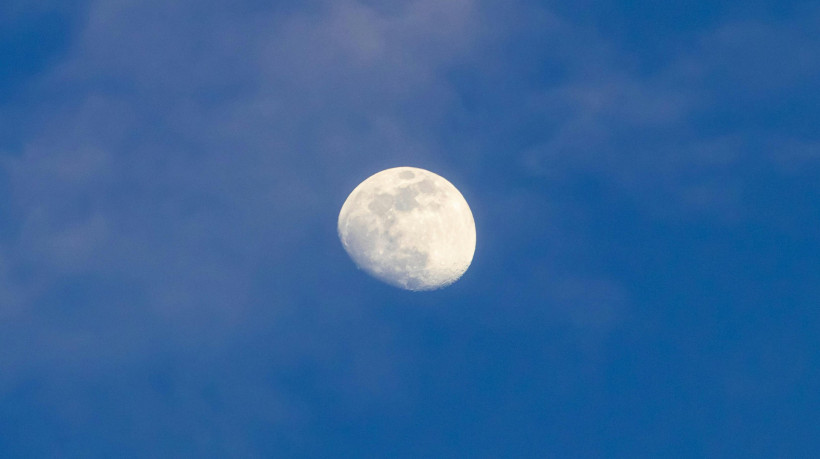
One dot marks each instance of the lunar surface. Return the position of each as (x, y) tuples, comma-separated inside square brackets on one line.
[(410, 228)]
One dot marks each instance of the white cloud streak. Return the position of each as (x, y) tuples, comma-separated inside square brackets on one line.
[(193, 154)]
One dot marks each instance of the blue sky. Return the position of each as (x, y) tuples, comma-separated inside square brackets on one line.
[(644, 180)]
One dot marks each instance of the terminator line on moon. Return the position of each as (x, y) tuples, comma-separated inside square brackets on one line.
[(409, 228)]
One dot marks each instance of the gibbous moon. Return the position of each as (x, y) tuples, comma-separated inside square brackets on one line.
[(409, 228)]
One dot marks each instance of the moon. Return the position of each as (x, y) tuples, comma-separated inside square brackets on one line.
[(409, 228)]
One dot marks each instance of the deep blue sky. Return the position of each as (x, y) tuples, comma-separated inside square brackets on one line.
[(645, 180)]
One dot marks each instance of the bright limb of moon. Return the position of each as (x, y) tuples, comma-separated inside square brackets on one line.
[(410, 228)]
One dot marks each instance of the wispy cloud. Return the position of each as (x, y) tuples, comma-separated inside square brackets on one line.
[(175, 192)]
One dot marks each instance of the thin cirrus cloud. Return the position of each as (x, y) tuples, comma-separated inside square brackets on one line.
[(174, 169), (175, 192), (169, 125), (176, 138)]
